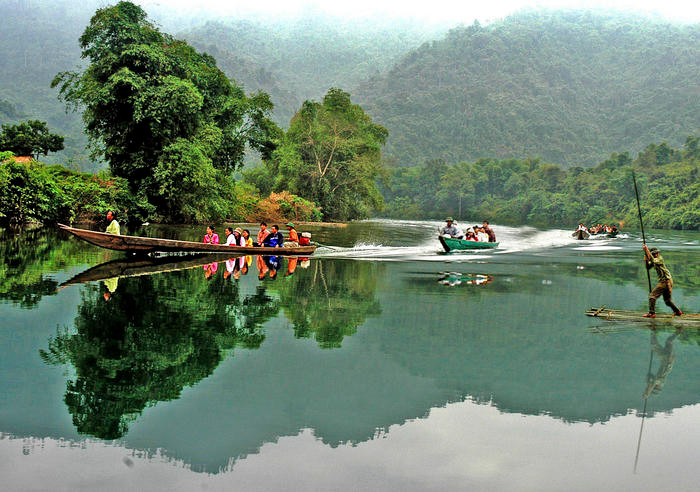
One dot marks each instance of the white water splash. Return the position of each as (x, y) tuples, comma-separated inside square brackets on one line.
[(511, 240)]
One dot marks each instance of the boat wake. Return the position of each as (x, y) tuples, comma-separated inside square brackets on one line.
[(426, 247)]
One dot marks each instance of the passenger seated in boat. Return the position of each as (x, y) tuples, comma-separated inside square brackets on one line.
[(470, 235), (581, 227), (481, 234), (450, 229), (234, 237), (113, 227), (275, 238), (262, 234), (293, 238), (211, 237), (246, 236), (489, 232), (230, 238)]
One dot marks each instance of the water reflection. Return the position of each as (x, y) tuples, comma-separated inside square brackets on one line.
[(452, 279), (518, 346), (666, 356), (155, 335), (26, 260), (142, 339), (330, 300)]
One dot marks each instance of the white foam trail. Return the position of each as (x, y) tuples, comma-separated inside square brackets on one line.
[(597, 248), (511, 240), (378, 251)]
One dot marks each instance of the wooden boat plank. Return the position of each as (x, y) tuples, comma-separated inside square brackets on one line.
[(137, 244)]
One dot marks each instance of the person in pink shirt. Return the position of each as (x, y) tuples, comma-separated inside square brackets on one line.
[(211, 237), (262, 234)]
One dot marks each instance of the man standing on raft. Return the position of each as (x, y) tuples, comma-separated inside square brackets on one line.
[(664, 288)]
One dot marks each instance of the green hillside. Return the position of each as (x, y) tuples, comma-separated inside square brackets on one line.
[(37, 40), (298, 60), (570, 87)]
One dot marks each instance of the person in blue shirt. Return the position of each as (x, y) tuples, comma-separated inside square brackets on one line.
[(275, 239)]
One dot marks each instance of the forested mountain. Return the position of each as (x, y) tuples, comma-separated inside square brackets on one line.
[(37, 40), (298, 60), (569, 87)]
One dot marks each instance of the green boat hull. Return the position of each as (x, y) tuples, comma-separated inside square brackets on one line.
[(452, 244)]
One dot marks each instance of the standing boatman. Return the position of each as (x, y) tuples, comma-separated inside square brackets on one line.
[(653, 259)]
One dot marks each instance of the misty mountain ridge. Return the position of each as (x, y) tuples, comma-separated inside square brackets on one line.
[(568, 86)]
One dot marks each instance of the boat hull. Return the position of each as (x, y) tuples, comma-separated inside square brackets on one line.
[(580, 235), (145, 245), (452, 244)]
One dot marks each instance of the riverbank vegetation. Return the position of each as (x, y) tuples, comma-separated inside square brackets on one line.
[(534, 192)]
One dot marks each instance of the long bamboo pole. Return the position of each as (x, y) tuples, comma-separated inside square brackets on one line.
[(641, 223)]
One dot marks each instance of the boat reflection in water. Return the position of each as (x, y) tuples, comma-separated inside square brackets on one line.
[(452, 279), (111, 271)]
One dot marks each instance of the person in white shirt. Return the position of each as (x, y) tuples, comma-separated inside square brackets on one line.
[(230, 237)]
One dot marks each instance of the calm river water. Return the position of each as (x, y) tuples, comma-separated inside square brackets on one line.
[(379, 363)]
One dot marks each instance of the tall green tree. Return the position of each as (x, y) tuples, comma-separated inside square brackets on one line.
[(31, 138), (332, 156), (162, 114)]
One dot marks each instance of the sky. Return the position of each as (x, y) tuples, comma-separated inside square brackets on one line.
[(450, 12)]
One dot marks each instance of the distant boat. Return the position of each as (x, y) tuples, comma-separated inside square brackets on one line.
[(144, 245), (580, 234), (453, 244)]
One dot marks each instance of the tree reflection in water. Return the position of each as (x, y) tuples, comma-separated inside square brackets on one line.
[(153, 337), (156, 334), (330, 299)]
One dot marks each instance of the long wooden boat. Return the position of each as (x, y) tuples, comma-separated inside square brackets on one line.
[(452, 244), (687, 320), (580, 235), (144, 245)]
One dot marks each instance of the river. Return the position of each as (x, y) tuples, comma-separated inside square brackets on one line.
[(379, 363)]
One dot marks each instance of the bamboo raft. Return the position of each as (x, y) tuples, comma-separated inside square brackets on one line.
[(145, 245), (691, 320)]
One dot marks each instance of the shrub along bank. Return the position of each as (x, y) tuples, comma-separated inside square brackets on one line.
[(32, 192)]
